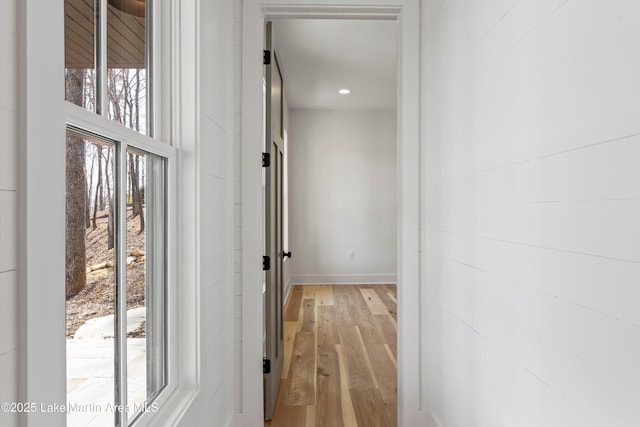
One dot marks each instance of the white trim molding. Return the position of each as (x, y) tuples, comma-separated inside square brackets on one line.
[(407, 13), (41, 210), (343, 279)]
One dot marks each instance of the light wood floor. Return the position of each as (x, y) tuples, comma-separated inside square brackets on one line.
[(340, 357)]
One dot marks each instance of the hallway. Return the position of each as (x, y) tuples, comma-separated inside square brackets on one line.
[(340, 357), (505, 165)]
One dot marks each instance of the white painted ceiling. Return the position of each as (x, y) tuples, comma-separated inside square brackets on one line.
[(320, 56)]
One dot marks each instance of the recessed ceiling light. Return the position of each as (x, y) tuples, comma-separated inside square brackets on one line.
[(344, 91)]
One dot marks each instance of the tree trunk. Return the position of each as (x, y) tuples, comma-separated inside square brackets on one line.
[(110, 237), (136, 195), (137, 102), (76, 197), (89, 187), (87, 210), (135, 191), (101, 195), (98, 186), (107, 182)]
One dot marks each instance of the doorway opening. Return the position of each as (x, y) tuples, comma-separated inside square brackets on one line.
[(343, 210), (406, 13)]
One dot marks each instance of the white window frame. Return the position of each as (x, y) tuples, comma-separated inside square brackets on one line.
[(152, 143), (41, 133), (125, 138)]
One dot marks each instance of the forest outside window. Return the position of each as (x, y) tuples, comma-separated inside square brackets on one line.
[(107, 59), (117, 216)]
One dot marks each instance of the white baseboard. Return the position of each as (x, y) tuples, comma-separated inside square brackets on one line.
[(338, 279)]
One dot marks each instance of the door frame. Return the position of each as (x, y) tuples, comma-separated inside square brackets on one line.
[(411, 363)]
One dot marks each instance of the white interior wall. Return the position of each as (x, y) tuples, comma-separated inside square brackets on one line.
[(342, 196), (8, 209), (214, 201), (286, 266), (237, 205), (532, 313)]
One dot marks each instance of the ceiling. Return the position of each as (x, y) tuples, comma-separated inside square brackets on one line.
[(320, 56), (125, 36)]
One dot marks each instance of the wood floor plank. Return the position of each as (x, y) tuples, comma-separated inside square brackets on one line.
[(392, 297), (348, 412), (290, 330), (311, 416), (390, 303), (369, 407), (292, 416), (292, 309), (358, 372), (342, 306), (380, 363), (390, 404), (327, 325), (393, 288), (280, 402), (362, 317), (328, 401), (373, 301), (365, 360), (356, 302), (302, 371), (308, 315), (340, 358), (388, 329), (285, 415), (321, 293), (391, 356)]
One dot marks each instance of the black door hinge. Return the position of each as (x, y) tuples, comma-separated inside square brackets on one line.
[(266, 366), (266, 160), (266, 263), (266, 57)]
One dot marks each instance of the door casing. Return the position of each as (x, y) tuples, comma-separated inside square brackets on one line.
[(412, 361)]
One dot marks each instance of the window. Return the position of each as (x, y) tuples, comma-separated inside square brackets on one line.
[(117, 215)]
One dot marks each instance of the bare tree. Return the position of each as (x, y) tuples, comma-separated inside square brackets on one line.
[(76, 195), (98, 194), (110, 215), (87, 204), (101, 199), (91, 159), (136, 194)]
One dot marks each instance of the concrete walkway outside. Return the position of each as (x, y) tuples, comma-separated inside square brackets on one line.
[(90, 371)]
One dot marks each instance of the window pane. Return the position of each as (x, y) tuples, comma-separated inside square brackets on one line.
[(146, 278), (79, 54), (90, 282), (126, 63)]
